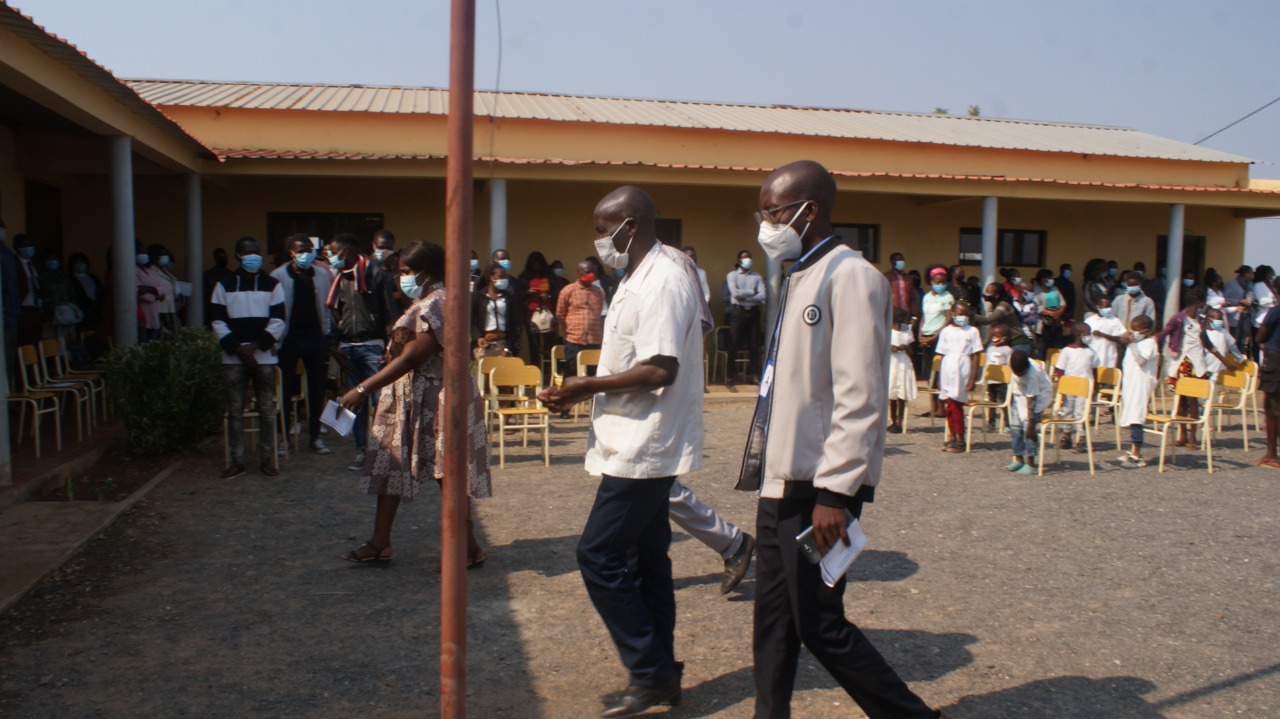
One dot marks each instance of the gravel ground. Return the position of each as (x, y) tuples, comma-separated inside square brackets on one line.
[(1126, 594)]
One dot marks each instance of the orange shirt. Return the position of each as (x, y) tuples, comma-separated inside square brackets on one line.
[(578, 312)]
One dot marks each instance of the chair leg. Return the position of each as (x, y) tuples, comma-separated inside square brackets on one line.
[(1244, 426), (1164, 442), (1040, 461), (1088, 443), (546, 440), (1208, 447), (502, 442), (35, 430)]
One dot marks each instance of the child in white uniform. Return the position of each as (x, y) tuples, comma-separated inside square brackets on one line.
[(1141, 357), (1075, 360), (1032, 395), (1105, 331), (998, 352), (902, 376), (1222, 352), (959, 344)]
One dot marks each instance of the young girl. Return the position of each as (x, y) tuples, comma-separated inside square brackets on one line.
[(1075, 360), (902, 377), (959, 344), (1105, 332), (998, 353), (1140, 359)]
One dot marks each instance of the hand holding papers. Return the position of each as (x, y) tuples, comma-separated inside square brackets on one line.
[(339, 418), (839, 558)]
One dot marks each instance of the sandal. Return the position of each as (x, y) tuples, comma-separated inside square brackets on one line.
[(377, 554), (475, 561)]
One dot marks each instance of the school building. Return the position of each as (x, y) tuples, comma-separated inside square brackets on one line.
[(89, 161)]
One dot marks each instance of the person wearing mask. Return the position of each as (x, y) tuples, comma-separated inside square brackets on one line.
[(502, 258), (829, 364), (384, 246), (161, 267), (1067, 289), (1137, 383), (558, 282), (903, 288), (307, 328), (1052, 311), (30, 317), (959, 345), (1188, 280), (212, 277), (1268, 340), (578, 313), (959, 287), (497, 315), (475, 270), (1000, 312), (1131, 302), (91, 295), (692, 253), (1239, 294), (1186, 349), (1264, 298), (408, 428), (1013, 282), (384, 253), (1106, 334), (59, 298), (357, 303), (1113, 279), (541, 325), (1094, 285), (248, 320), (744, 295), (150, 295), (1153, 286), (936, 308)]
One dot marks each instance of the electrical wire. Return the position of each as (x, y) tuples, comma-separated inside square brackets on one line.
[(1237, 122), (497, 91)]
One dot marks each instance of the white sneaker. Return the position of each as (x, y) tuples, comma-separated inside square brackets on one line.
[(319, 447), (283, 449), (296, 428), (357, 464)]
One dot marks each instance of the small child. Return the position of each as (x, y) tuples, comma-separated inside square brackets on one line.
[(1221, 354), (1140, 360), (1075, 360), (902, 376), (998, 351), (1105, 331), (1032, 395), (959, 344)]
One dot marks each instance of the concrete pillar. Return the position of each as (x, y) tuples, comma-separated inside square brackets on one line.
[(773, 283), (990, 206), (497, 218), (6, 457), (123, 238), (195, 252), (1173, 261)]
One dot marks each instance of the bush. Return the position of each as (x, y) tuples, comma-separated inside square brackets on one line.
[(169, 393)]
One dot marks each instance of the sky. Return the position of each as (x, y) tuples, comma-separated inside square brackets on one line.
[(1177, 68)]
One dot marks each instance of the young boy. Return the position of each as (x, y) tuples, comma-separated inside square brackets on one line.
[(1075, 360), (1141, 357), (959, 344), (902, 377), (1221, 354), (1104, 334), (998, 352), (1032, 395)]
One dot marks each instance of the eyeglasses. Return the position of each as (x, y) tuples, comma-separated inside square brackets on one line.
[(764, 216)]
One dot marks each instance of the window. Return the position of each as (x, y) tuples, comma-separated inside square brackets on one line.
[(320, 224), (1192, 254), (864, 238), (668, 232), (1014, 248)]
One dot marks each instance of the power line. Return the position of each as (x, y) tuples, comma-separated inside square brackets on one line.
[(497, 90), (1237, 122)]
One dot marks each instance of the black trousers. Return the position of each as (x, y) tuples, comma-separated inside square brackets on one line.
[(744, 326), (794, 606), (313, 350), (624, 563)]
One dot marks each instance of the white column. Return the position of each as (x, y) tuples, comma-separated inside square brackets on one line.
[(1173, 261), (195, 252), (990, 205), (773, 281), (123, 241), (497, 217)]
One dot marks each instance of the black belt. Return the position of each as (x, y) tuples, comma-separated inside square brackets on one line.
[(806, 490)]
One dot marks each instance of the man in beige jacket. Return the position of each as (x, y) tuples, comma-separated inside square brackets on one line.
[(815, 446)]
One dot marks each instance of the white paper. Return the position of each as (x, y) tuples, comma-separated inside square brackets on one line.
[(338, 417), (839, 558), (184, 288)]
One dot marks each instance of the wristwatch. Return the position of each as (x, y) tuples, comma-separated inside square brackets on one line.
[(360, 388)]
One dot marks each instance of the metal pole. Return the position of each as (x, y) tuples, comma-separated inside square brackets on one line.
[(6, 457), (123, 241), (990, 207), (457, 370), (1173, 260), (497, 215), (195, 252)]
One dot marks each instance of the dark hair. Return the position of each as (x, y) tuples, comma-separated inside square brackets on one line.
[(1019, 362), (296, 237), (1093, 268), (1194, 296), (597, 264), (385, 234), (1009, 273), (156, 251), (1262, 272), (348, 241), (900, 316), (1143, 322), (535, 258), (423, 256), (77, 257), (1211, 277)]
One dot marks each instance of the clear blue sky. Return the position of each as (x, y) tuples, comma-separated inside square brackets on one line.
[(1177, 68)]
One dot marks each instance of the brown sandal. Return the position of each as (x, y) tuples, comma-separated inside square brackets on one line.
[(376, 556)]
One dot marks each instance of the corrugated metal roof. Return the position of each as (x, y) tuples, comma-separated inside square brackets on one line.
[(71, 56), (229, 154), (983, 132)]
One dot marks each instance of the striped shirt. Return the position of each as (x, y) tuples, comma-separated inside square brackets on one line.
[(248, 309)]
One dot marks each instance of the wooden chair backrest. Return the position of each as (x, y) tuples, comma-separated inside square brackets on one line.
[(588, 358), (515, 377), (488, 364), (1075, 386), (997, 373), (1109, 375), (1194, 387), (1235, 379)]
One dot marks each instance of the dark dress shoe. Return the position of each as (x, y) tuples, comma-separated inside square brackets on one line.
[(735, 567), (635, 700)]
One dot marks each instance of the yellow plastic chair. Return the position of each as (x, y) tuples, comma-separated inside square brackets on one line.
[(1079, 387), (586, 360), (1194, 388), (40, 403), (254, 417), (557, 365), (1051, 356), (525, 382), (1108, 395), (1251, 369), (1234, 384), (31, 379), (55, 351), (485, 368), (992, 373), (932, 390)]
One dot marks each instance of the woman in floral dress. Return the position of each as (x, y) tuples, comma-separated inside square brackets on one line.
[(407, 445)]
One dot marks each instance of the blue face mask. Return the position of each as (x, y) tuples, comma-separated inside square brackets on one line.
[(1104, 311), (336, 262), (619, 272), (501, 284), (939, 288), (1066, 274), (410, 287), (1217, 324), (53, 264), (166, 261), (26, 253), (1187, 283), (1113, 271), (304, 259), (251, 263), (505, 264), (1048, 284), (899, 265), (475, 264), (1133, 289), (960, 320), (142, 258), (559, 271)]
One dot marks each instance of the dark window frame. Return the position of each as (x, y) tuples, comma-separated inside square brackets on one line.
[(1003, 257), (670, 231), (862, 236)]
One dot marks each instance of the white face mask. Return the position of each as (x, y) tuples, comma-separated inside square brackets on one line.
[(745, 263), (608, 252), (782, 242), (381, 255), (410, 287)]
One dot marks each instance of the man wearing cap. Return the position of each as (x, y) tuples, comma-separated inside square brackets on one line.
[(1238, 294)]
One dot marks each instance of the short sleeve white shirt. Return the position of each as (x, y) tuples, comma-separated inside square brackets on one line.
[(657, 433)]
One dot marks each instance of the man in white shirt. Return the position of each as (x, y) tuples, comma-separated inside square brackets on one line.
[(646, 428), (744, 294), (702, 274)]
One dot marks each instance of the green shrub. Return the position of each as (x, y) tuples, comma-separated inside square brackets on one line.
[(169, 393)]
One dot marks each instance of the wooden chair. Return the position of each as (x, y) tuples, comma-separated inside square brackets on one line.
[(56, 350), (932, 389), (1108, 395), (557, 365), (991, 373), (40, 403), (31, 379), (253, 416), (1194, 388), (586, 360), (1251, 369), (485, 368), (525, 382), (723, 344), (1233, 386), (1078, 387), (1051, 356)]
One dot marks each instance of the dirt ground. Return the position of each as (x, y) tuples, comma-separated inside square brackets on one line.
[(1126, 594)]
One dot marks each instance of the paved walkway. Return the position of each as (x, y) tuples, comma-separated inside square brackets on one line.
[(1126, 594)]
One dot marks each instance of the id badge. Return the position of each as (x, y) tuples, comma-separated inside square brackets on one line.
[(766, 382)]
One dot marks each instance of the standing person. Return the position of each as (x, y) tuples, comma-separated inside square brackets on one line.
[(1075, 360), (1032, 395), (91, 296), (646, 429), (248, 320), (902, 288), (1068, 290), (1185, 350), (537, 282), (1268, 341), (1141, 359), (30, 327), (11, 301), (475, 270), (959, 344), (384, 254), (937, 303), (496, 316), (959, 287), (307, 328), (150, 295), (1131, 302), (578, 312), (1052, 311), (211, 278), (1264, 298), (1239, 294), (998, 353), (167, 306), (357, 302), (692, 254), (1105, 333), (816, 446), (1221, 348), (407, 429), (1094, 285), (1001, 313), (384, 246), (746, 294), (59, 298), (902, 377)]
